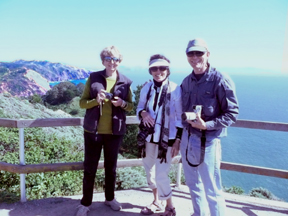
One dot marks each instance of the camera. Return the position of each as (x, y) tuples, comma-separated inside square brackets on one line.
[(144, 132), (192, 115), (188, 116), (109, 95)]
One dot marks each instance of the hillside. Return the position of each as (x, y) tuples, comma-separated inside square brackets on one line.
[(15, 108), (25, 78)]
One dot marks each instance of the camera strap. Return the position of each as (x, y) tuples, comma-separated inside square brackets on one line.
[(147, 98), (202, 154)]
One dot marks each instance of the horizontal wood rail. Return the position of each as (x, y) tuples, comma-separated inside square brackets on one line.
[(57, 167), (56, 122), (23, 169), (254, 170)]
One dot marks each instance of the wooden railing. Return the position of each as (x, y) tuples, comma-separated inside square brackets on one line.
[(23, 169)]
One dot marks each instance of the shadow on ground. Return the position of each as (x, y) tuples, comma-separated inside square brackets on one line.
[(254, 209), (61, 207), (134, 200)]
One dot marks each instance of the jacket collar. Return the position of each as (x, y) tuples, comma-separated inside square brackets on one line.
[(120, 77), (206, 77)]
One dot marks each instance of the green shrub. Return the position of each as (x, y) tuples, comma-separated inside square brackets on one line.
[(130, 177), (74, 112), (262, 193), (173, 174), (39, 148), (35, 99), (129, 147), (8, 197), (234, 190)]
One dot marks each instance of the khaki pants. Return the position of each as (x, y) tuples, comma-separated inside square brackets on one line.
[(156, 172)]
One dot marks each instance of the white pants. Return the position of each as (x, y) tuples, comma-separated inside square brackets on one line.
[(156, 172)]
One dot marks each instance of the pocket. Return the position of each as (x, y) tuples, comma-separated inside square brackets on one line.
[(209, 106), (193, 150)]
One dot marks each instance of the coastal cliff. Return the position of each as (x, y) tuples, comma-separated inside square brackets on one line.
[(26, 78)]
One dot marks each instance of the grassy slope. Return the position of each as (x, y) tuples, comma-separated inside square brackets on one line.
[(15, 108)]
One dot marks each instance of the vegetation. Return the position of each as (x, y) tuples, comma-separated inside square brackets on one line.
[(50, 146), (129, 146), (36, 98), (62, 93), (234, 190), (262, 193)]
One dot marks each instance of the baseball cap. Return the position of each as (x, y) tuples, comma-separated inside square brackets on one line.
[(197, 44)]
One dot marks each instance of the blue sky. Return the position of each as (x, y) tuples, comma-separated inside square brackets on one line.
[(247, 33)]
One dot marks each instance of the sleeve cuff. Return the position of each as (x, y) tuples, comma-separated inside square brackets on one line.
[(179, 133), (209, 125), (139, 114)]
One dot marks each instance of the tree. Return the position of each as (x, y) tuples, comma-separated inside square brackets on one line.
[(61, 93), (51, 96), (80, 88)]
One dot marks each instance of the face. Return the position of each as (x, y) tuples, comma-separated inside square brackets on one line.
[(159, 73), (198, 62), (111, 63)]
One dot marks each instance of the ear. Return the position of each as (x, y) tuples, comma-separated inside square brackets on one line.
[(208, 54), (103, 63)]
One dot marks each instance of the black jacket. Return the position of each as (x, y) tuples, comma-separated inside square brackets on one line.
[(121, 89)]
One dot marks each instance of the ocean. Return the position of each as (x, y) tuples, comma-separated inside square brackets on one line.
[(262, 97)]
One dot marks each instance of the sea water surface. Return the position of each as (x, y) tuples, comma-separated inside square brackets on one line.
[(262, 97)]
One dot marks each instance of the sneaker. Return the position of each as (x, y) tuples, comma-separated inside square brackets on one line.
[(116, 206), (82, 210)]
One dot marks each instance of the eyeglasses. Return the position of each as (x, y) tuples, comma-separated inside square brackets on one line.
[(109, 59), (161, 68), (195, 53)]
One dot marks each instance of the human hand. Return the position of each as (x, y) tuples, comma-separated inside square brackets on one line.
[(198, 122), (175, 148), (117, 101), (101, 96), (147, 119)]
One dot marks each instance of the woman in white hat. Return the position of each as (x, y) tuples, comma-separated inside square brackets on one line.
[(159, 110)]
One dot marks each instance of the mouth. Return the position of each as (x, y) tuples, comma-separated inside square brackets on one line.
[(159, 76), (195, 61)]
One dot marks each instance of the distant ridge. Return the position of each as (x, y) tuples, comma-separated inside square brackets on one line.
[(25, 78)]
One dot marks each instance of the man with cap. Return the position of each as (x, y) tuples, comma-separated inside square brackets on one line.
[(211, 95)]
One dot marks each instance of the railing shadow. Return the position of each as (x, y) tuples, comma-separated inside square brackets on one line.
[(250, 209), (63, 207)]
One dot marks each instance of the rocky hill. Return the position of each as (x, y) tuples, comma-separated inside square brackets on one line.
[(25, 78)]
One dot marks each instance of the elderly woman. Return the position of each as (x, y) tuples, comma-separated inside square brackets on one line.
[(106, 98), (159, 110)]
